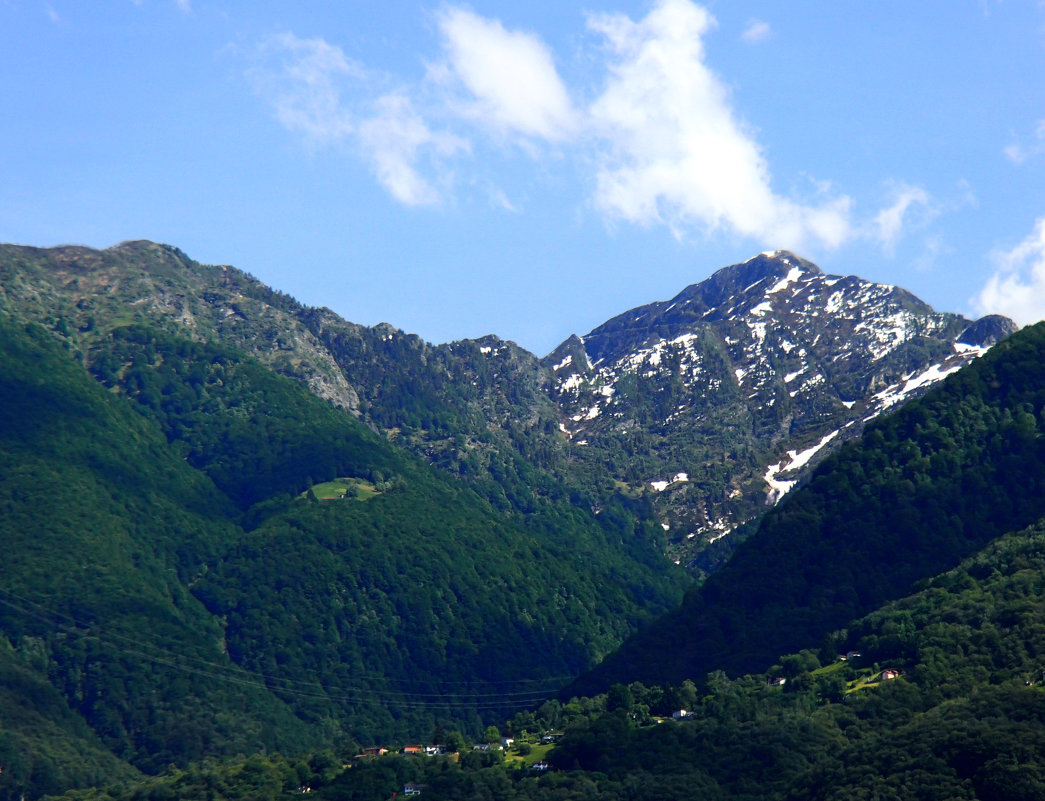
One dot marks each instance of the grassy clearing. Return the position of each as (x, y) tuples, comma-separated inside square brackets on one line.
[(834, 667), (344, 489), (537, 753)]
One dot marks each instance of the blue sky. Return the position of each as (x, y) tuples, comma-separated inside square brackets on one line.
[(531, 170)]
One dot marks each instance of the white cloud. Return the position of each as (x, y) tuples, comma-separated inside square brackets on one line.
[(677, 154), (315, 90), (889, 223), (511, 76), (395, 139), (184, 5), (53, 15), (1018, 153), (499, 199), (304, 87), (756, 31), (1017, 288), (660, 140)]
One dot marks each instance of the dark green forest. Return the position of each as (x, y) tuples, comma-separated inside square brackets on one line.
[(965, 719)]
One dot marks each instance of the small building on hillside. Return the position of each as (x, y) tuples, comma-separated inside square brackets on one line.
[(374, 751)]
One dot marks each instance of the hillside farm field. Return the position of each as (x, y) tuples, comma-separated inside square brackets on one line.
[(344, 489)]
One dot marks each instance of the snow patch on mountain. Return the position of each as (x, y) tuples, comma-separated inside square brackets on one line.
[(975, 350), (798, 459), (762, 308), (792, 276), (678, 478), (564, 363), (892, 395)]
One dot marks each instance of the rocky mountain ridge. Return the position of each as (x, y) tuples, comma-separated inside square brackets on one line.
[(703, 409)]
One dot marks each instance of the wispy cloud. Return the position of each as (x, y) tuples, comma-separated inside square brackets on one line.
[(756, 31), (1018, 153), (908, 202), (677, 153), (316, 91), (53, 15), (303, 81), (184, 5), (509, 75), (1017, 287), (396, 138)]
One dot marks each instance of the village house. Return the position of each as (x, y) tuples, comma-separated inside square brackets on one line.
[(374, 751)]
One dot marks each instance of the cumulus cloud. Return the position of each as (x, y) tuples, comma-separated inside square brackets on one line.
[(890, 222), (677, 153), (1017, 288), (756, 31), (510, 75), (396, 137)]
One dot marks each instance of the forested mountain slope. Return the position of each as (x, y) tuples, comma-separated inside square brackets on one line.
[(963, 718), (172, 577), (475, 408), (922, 489), (104, 529)]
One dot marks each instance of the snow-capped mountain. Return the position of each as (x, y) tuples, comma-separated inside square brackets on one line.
[(722, 398)]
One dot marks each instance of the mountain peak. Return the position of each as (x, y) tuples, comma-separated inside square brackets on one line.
[(780, 355), (746, 276), (719, 296)]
